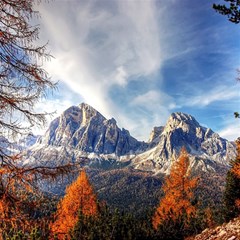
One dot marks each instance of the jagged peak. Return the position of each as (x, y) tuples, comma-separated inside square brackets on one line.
[(155, 134), (90, 111), (180, 120), (182, 117), (83, 111), (112, 121), (86, 106)]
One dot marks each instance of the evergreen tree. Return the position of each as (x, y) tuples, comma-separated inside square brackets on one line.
[(232, 190), (79, 197), (232, 11), (110, 225)]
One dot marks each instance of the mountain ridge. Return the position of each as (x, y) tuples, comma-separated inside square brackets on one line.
[(82, 132), (84, 128), (131, 176)]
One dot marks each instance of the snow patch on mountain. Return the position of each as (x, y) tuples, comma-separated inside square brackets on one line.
[(82, 135)]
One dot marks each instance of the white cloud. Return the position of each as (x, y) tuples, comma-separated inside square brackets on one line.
[(152, 100), (98, 46), (54, 107), (121, 76), (231, 132), (156, 107), (221, 93)]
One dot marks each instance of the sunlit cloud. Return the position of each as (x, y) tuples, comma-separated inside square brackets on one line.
[(221, 93), (156, 107), (105, 49), (97, 48), (153, 99), (231, 132)]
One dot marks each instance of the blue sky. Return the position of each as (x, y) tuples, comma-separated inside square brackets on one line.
[(140, 60)]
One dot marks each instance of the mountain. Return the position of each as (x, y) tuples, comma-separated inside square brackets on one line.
[(27, 141), (85, 129), (207, 150), (11, 147), (125, 172), (81, 132)]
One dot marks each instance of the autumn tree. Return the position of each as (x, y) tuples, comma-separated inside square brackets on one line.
[(23, 82), (232, 190), (79, 198), (178, 189)]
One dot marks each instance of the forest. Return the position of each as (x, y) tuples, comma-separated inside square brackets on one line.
[(26, 212)]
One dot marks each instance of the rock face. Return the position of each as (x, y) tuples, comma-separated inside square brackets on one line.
[(227, 231), (13, 147), (206, 148), (82, 132), (27, 141), (183, 130), (155, 136), (85, 129)]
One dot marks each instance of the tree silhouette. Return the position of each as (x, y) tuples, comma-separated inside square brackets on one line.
[(79, 197), (178, 189), (232, 11), (23, 82)]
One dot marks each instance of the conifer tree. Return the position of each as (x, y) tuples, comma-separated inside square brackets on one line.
[(232, 190), (232, 10), (178, 189), (79, 197)]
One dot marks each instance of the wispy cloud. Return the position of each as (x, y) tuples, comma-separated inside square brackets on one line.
[(231, 132), (153, 99), (99, 46), (218, 94), (126, 48), (156, 106)]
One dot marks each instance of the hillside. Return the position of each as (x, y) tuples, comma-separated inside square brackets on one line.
[(125, 172), (227, 231)]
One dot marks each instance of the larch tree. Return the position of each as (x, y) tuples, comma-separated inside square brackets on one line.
[(232, 189), (236, 166), (23, 82), (79, 198), (178, 189)]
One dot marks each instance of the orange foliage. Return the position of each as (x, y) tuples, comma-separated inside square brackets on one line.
[(178, 189), (79, 197), (20, 194), (236, 167)]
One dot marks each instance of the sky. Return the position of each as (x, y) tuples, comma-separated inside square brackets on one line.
[(140, 60)]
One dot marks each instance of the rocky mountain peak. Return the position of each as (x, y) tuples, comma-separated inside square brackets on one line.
[(84, 128), (155, 135), (206, 148), (88, 111), (180, 120), (81, 130)]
